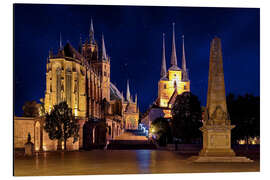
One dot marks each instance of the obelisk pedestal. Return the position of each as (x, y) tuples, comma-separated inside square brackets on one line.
[(217, 126)]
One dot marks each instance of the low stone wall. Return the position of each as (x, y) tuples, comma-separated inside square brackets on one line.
[(39, 137), (23, 126)]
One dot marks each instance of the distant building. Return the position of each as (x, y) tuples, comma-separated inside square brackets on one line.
[(173, 82), (82, 79)]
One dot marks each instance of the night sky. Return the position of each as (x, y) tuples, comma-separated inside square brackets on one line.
[(133, 38)]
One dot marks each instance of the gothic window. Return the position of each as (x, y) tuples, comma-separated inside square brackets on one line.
[(175, 84), (165, 86), (185, 87), (105, 74), (68, 86), (110, 130), (78, 92), (58, 85)]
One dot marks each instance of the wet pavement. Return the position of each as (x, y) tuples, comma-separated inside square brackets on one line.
[(119, 162)]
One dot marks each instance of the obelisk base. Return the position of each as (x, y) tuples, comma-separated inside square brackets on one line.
[(226, 152), (217, 145), (220, 159)]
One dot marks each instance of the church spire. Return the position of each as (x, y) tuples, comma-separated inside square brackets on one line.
[(104, 55), (183, 55), (163, 65), (184, 66), (173, 56), (91, 33), (128, 92)]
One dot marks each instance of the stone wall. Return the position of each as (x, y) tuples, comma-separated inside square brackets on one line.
[(23, 126), (39, 137)]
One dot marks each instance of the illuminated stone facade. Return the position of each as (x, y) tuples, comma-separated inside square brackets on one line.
[(82, 79), (173, 82), (130, 111)]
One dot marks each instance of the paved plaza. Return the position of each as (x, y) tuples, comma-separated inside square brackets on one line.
[(119, 162)]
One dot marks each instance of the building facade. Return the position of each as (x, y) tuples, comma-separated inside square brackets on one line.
[(81, 77), (130, 110), (173, 82)]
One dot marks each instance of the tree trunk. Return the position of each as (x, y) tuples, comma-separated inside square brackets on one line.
[(65, 144), (59, 145)]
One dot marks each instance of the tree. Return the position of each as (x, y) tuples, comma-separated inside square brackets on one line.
[(60, 124), (42, 111), (31, 109), (244, 112), (186, 117), (161, 128)]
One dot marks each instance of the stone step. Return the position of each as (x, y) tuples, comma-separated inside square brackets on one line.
[(130, 146)]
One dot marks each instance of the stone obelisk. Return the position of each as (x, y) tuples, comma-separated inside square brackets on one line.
[(217, 126)]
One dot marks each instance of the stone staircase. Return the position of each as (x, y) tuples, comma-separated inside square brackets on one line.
[(131, 139)]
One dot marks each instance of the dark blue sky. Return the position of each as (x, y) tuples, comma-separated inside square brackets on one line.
[(133, 38)]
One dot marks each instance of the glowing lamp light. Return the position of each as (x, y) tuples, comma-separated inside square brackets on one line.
[(242, 141), (76, 112), (63, 145)]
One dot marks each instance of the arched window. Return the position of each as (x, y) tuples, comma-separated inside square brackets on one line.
[(58, 85), (68, 86)]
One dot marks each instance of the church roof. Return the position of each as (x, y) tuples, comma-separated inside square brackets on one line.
[(70, 51), (173, 97), (115, 93), (174, 68)]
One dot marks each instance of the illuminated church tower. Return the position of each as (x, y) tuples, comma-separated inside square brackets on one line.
[(173, 82), (130, 110), (101, 63)]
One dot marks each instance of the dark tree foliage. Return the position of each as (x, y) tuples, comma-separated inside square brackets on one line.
[(162, 130), (31, 109), (244, 112), (187, 116), (60, 124)]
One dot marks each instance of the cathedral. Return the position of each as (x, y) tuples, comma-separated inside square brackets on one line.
[(173, 82), (81, 77)]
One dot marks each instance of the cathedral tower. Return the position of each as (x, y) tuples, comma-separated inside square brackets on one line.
[(174, 81), (103, 66)]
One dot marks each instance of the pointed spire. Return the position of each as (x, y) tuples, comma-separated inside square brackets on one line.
[(184, 66), (123, 99), (183, 55), (91, 33), (173, 56), (128, 92), (163, 64), (104, 55), (60, 42)]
